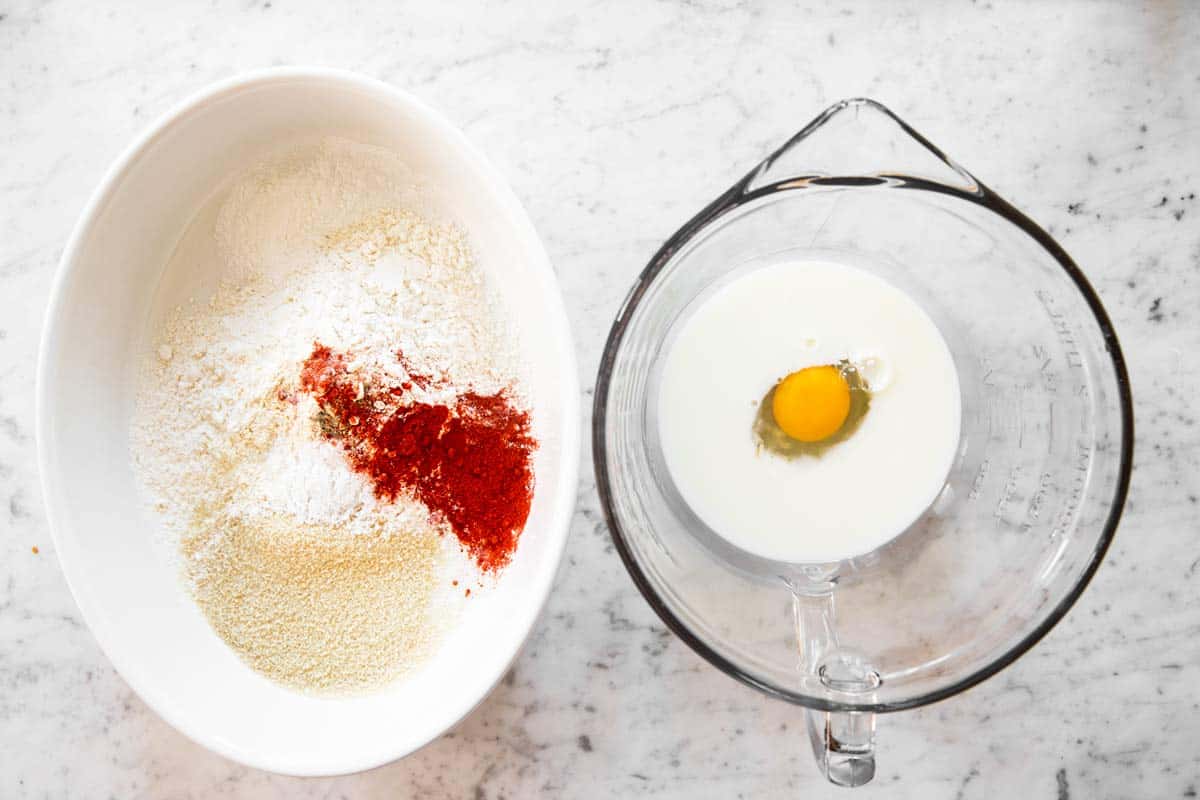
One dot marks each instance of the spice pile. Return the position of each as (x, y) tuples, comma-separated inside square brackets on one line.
[(336, 440), (468, 461)]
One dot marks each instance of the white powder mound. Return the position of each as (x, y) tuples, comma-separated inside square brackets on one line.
[(324, 243), (304, 479), (286, 205)]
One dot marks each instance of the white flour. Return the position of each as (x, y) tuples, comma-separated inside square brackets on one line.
[(324, 243)]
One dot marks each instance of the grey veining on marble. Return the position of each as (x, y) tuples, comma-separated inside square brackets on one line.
[(615, 122)]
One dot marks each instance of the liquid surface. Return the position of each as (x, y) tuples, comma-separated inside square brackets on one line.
[(838, 501)]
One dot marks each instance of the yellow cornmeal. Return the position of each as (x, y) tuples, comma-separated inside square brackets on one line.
[(313, 609)]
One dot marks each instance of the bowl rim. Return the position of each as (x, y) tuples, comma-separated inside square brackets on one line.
[(747, 191), (568, 434)]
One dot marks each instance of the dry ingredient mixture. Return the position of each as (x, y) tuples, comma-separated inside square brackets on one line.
[(336, 439)]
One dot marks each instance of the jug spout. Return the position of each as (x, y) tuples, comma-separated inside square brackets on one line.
[(858, 139)]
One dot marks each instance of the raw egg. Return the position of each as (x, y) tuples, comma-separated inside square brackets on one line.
[(812, 404)]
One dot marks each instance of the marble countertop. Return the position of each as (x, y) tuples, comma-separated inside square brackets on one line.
[(615, 122)]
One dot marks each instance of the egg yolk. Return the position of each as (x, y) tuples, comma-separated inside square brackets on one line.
[(812, 404)]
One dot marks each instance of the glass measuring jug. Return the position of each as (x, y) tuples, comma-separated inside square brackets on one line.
[(1037, 485)]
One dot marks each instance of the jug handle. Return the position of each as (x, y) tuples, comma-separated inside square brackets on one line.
[(843, 742)]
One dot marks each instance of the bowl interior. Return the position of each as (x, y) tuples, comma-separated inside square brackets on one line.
[(111, 282), (1032, 497)]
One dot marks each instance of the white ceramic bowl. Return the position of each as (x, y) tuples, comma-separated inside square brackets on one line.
[(95, 331)]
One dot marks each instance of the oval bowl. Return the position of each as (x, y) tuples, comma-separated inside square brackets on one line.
[(95, 331)]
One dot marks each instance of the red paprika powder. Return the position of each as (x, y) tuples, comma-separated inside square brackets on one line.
[(469, 462)]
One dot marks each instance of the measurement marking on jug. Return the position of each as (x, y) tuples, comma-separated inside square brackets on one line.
[(1062, 328), (1079, 476), (1085, 421), (977, 484), (1020, 418), (1049, 376), (1050, 429), (986, 365), (1035, 505), (1010, 488)]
